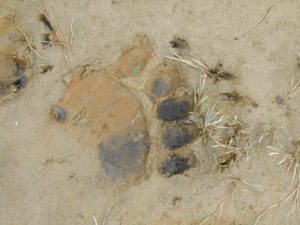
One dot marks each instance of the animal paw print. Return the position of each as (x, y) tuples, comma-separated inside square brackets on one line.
[(106, 113)]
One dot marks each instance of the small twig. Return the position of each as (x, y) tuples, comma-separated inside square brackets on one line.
[(56, 43), (72, 32), (260, 21), (135, 116), (78, 118), (264, 213)]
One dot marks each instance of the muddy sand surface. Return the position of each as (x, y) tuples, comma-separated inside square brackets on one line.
[(171, 112)]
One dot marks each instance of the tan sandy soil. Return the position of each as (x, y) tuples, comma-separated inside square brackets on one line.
[(104, 55)]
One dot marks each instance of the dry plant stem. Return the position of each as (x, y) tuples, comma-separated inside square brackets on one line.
[(95, 220), (200, 94), (249, 184), (135, 116), (180, 59), (78, 118), (293, 89), (296, 167), (218, 144), (193, 62), (111, 204), (107, 212), (259, 22), (217, 212), (234, 144), (199, 100), (293, 159), (63, 158), (270, 132), (72, 32), (209, 118), (30, 46), (67, 56), (143, 84), (73, 21), (294, 193), (212, 119), (232, 186), (56, 43)]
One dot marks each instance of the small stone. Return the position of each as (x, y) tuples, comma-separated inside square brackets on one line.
[(58, 113), (279, 100), (174, 109)]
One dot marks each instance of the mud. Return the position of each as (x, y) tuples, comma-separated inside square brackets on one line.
[(174, 165), (164, 80), (103, 110), (124, 155), (178, 163), (134, 58), (174, 108), (176, 136)]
